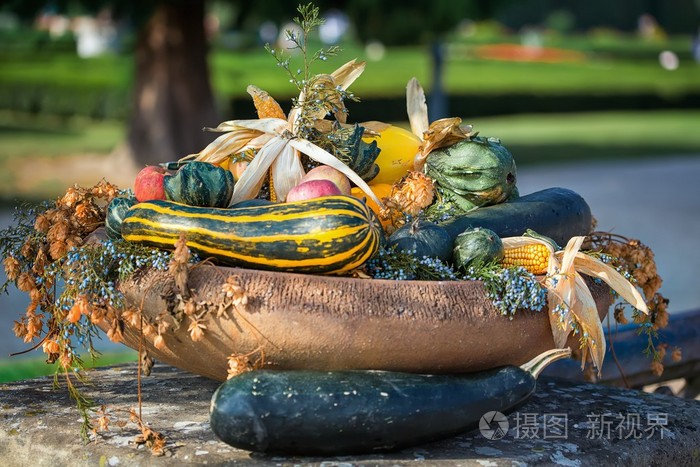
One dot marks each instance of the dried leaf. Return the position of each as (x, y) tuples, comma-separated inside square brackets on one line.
[(287, 171), (147, 363), (178, 265), (417, 108), (570, 251), (345, 75), (559, 318), (159, 342), (196, 329), (586, 313), (591, 266), (254, 175), (222, 147), (442, 133), (260, 125), (374, 126)]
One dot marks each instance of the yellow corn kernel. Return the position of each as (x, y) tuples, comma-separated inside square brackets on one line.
[(273, 193), (534, 258)]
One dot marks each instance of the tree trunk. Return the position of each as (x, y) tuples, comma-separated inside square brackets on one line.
[(173, 98)]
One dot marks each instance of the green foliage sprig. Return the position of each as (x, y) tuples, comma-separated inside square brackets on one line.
[(319, 95), (308, 20)]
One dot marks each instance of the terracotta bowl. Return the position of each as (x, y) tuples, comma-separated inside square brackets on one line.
[(329, 323)]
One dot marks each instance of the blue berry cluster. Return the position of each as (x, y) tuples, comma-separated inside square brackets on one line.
[(404, 265), (511, 289)]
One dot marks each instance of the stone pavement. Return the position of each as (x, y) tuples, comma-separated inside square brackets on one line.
[(564, 423)]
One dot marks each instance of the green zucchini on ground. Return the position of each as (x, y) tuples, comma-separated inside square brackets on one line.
[(557, 213), (350, 412), (327, 235)]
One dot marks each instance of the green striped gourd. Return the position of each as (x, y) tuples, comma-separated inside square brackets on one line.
[(327, 235)]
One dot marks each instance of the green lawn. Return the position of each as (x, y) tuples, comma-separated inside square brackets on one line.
[(109, 77), (607, 134), (533, 138), (20, 369), (23, 135), (595, 136)]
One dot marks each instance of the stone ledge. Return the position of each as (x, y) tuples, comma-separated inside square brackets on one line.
[(40, 427)]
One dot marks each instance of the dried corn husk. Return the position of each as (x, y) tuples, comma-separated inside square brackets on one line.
[(570, 301), (439, 134), (278, 148)]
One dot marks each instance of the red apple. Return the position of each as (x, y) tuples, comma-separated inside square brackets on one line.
[(326, 172), (149, 183), (312, 189)]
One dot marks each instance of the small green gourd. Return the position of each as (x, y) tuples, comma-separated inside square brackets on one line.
[(423, 238), (477, 246), (200, 184)]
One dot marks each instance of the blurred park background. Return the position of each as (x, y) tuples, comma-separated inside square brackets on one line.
[(92, 89)]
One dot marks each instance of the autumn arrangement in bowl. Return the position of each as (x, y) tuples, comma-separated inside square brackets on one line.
[(302, 241)]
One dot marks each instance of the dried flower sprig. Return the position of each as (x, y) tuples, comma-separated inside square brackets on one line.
[(636, 261), (242, 363), (308, 20), (104, 417), (71, 283)]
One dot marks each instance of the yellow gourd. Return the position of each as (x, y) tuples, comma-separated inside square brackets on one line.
[(398, 149), (225, 163), (382, 190)]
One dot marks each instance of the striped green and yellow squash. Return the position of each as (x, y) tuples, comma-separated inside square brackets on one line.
[(327, 235)]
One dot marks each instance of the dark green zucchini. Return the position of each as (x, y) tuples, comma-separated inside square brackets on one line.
[(350, 412), (557, 213)]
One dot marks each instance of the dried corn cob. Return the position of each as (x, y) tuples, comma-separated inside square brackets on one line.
[(533, 257), (267, 107)]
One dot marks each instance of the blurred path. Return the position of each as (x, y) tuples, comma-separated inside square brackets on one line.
[(656, 201), (12, 306)]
